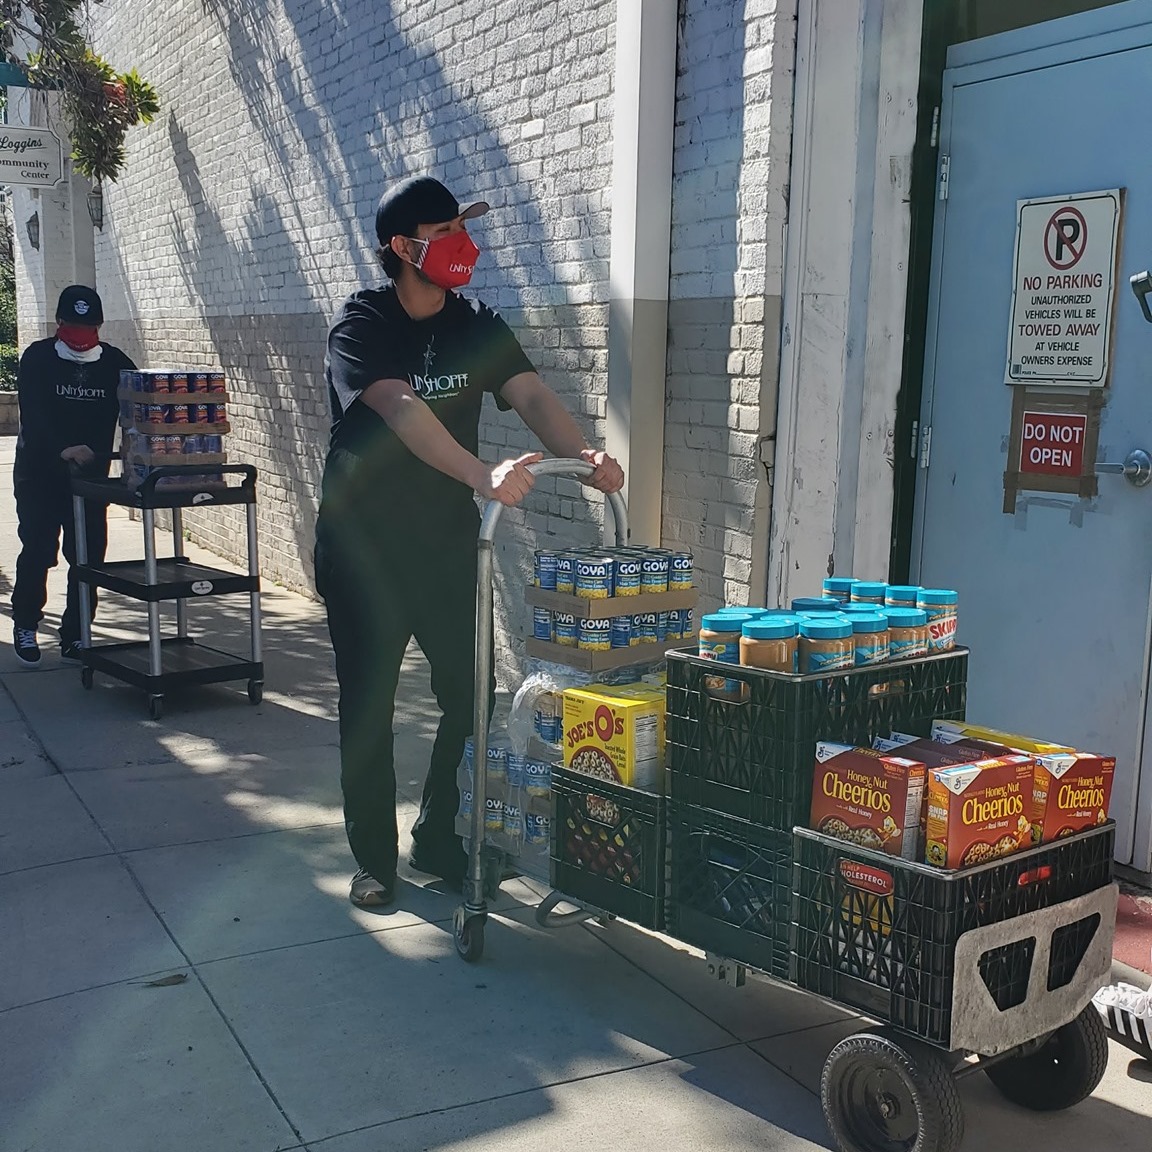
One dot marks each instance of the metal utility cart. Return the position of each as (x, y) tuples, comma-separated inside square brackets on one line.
[(988, 970), (158, 664)]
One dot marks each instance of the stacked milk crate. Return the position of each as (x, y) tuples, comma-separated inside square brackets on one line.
[(173, 418)]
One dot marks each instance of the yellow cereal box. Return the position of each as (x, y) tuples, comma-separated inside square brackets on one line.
[(952, 731), (616, 733)]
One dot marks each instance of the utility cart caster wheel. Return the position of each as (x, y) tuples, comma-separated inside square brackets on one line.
[(255, 691), (469, 933), (155, 707), (1060, 1073), (87, 677), (883, 1092)]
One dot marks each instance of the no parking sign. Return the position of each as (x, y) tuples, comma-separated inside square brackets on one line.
[(1063, 289)]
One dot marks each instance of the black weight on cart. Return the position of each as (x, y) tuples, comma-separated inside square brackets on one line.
[(986, 971), (160, 664)]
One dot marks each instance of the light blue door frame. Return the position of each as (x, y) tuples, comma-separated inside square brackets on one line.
[(1056, 599)]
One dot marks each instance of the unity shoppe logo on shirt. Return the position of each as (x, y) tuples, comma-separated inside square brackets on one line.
[(430, 386)]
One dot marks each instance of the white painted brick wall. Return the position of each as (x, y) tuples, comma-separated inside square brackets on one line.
[(733, 121), (245, 211)]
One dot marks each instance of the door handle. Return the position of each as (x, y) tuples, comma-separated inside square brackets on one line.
[(1136, 467), (1142, 285)]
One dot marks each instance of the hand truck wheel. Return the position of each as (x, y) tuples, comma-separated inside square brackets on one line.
[(1060, 1073), (255, 691), (87, 677), (155, 707), (883, 1092), (469, 934)]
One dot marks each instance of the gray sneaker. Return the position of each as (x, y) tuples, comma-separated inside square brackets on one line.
[(368, 892)]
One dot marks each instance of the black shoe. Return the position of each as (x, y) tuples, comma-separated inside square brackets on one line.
[(450, 865), (71, 650), (24, 641), (368, 892)]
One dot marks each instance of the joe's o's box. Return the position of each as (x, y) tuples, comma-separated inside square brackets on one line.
[(867, 798), (616, 733), (979, 812)]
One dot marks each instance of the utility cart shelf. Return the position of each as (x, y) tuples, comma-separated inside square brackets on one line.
[(158, 664)]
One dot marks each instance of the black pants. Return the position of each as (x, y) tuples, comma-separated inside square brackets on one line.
[(43, 509), (379, 593)]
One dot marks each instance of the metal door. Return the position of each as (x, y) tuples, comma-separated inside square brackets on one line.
[(1055, 599)]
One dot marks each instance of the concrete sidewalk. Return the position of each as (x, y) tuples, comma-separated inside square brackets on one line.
[(180, 967)]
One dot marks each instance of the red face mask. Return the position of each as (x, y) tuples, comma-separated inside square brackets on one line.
[(78, 337), (449, 261)]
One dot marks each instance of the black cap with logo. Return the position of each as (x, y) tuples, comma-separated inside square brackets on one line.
[(80, 305), (419, 200)]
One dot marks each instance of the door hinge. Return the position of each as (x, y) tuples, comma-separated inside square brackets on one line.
[(925, 445), (945, 165), (915, 448), (935, 127)]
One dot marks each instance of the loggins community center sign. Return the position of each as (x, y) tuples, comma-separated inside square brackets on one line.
[(30, 157), (1063, 290)]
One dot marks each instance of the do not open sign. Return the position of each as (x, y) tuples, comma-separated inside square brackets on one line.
[(1052, 443)]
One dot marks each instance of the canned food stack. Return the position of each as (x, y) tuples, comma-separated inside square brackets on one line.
[(616, 606), (174, 418)]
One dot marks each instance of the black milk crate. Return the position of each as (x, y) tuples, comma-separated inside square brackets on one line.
[(879, 933), (608, 846), (729, 887), (754, 757)]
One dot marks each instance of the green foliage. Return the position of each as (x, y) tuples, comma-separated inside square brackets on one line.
[(9, 362), (101, 103)]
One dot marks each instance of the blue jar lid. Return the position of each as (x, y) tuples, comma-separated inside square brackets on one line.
[(728, 621), (815, 604), (772, 628), (860, 609), (904, 592), (869, 588), (735, 610), (937, 596), (824, 627), (840, 584), (906, 617), (869, 622)]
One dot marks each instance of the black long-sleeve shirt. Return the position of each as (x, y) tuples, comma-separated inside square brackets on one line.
[(63, 404)]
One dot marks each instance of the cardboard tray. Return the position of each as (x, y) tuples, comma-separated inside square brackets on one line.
[(602, 661), (612, 606)]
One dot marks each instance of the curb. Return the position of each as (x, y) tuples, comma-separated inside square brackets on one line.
[(1122, 973)]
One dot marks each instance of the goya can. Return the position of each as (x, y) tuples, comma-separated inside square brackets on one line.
[(193, 445), (197, 381), (537, 830), (213, 444), (198, 414), (542, 624), (178, 382), (513, 822), (661, 627), (217, 414), (466, 802), (567, 633), (175, 445), (497, 774), (644, 628), (177, 414), (158, 382), (679, 571), (155, 413), (547, 717), (565, 573), (654, 572), (545, 569), (538, 778), (628, 574), (140, 413), (137, 381), (493, 814), (675, 629), (158, 445), (595, 635), (215, 381), (516, 764), (687, 622), (621, 631), (594, 577)]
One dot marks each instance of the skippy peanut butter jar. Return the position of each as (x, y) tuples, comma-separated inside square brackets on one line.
[(868, 798), (979, 812)]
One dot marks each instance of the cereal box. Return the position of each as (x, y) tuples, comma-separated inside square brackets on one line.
[(953, 731), (1071, 794), (616, 734), (979, 812), (867, 798)]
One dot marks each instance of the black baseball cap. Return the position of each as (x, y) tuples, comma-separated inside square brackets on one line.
[(80, 305), (419, 200)]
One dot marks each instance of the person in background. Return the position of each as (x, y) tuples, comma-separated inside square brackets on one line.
[(407, 369), (68, 408)]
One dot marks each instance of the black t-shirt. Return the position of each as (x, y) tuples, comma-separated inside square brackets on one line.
[(450, 360), (63, 404)]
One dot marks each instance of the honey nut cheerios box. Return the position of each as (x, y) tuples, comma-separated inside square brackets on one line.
[(868, 798), (979, 812), (616, 733), (1071, 794)]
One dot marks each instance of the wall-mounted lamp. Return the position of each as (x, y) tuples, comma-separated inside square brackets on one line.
[(33, 227), (96, 206)]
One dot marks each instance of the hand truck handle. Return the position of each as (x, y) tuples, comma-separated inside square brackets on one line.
[(577, 469)]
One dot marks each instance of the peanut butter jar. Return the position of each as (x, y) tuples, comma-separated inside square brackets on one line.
[(868, 592), (826, 644), (771, 643), (907, 633)]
